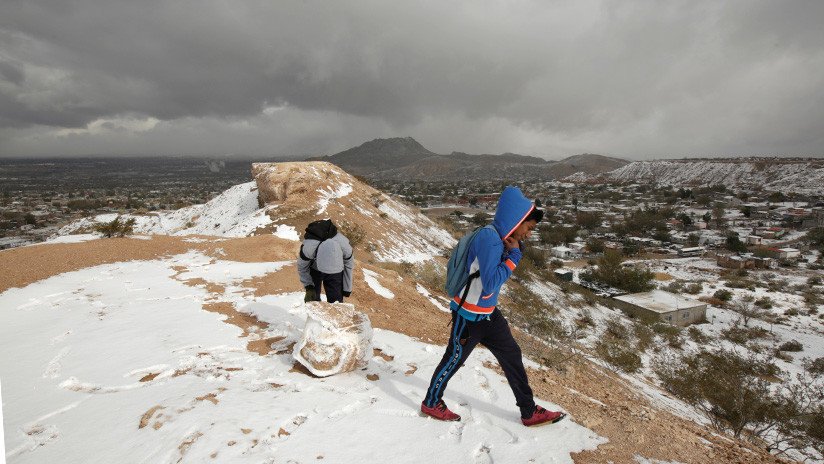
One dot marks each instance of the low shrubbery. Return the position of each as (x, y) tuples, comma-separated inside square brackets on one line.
[(618, 353), (792, 345), (738, 394), (116, 227)]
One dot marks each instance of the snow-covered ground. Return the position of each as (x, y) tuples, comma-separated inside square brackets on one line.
[(806, 177), (233, 213), (121, 363)]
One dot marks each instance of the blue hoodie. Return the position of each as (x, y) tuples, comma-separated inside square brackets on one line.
[(488, 254)]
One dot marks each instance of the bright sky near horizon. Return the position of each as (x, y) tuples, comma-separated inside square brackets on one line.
[(637, 79)]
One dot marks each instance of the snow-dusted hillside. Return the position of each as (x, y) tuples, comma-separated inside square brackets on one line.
[(233, 213), (120, 363), (292, 195), (771, 174)]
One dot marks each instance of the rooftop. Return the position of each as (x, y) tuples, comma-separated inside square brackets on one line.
[(660, 301)]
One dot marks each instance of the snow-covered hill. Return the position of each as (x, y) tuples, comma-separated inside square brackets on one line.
[(771, 174), (120, 363), (285, 197), (161, 348)]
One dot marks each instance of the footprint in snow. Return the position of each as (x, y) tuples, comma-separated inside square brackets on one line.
[(351, 408), (289, 427), (483, 383), (53, 368), (456, 432), (37, 435), (481, 455)]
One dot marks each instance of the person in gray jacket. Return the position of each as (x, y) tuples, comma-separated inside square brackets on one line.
[(325, 258)]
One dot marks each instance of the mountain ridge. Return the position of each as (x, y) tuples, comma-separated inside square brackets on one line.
[(404, 158)]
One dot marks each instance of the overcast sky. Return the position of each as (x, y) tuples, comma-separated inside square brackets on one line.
[(638, 79)]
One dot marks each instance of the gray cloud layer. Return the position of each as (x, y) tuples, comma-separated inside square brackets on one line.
[(637, 79)]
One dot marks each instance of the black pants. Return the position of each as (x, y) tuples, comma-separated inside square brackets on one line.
[(495, 335), (332, 285)]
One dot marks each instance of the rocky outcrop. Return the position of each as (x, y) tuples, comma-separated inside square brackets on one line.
[(336, 339), (279, 181)]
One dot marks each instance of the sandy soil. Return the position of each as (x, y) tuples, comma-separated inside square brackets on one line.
[(22, 266)]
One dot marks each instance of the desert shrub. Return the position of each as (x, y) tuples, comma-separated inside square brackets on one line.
[(431, 275), (741, 283), (664, 329), (711, 301), (611, 272), (816, 366), (742, 334), (782, 356), (675, 286), (693, 288), (644, 336), (814, 280), (671, 334), (616, 329), (619, 354), (791, 312), (723, 295), (525, 308), (764, 302), (792, 345), (584, 319), (729, 388), (116, 228), (812, 298), (354, 232), (697, 336)]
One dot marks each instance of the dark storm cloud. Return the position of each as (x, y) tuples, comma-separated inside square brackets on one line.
[(633, 78)]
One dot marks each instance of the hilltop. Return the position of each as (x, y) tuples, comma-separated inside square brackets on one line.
[(174, 345)]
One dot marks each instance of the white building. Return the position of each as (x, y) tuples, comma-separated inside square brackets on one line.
[(666, 306)]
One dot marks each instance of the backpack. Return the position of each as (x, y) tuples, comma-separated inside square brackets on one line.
[(457, 277)]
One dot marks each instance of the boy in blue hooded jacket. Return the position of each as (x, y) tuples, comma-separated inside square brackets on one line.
[(494, 252)]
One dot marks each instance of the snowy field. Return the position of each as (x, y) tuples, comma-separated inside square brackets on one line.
[(121, 363)]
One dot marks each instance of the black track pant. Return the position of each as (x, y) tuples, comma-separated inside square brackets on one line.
[(332, 285), (495, 335)]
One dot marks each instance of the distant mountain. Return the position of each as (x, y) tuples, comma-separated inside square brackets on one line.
[(379, 155), (587, 163), (777, 174), (406, 159)]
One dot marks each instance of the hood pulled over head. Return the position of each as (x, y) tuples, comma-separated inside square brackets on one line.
[(320, 230), (513, 208)]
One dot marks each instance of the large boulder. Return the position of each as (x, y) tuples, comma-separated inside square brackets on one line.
[(295, 181), (336, 339)]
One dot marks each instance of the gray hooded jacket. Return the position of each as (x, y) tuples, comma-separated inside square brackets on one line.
[(333, 255)]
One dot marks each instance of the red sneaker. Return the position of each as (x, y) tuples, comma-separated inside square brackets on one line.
[(440, 412), (542, 417)]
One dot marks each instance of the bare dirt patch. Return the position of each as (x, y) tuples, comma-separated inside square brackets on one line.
[(663, 276), (379, 352), (246, 322), (147, 416), (284, 280), (263, 346), (25, 265)]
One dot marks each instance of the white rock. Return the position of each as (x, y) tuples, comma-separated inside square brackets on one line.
[(336, 339)]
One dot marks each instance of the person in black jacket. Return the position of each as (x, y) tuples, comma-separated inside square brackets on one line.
[(326, 258)]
